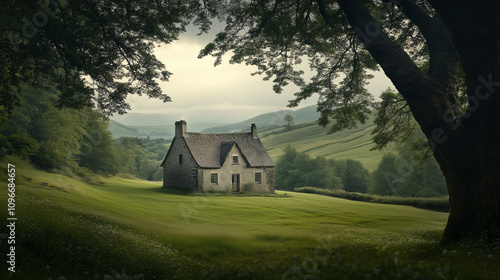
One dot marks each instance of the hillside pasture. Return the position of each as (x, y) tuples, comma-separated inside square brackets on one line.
[(118, 226), (313, 139)]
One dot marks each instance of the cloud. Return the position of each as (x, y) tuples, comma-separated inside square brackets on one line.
[(200, 90), (226, 93)]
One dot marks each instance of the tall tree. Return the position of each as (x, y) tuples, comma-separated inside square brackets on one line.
[(289, 121), (355, 177), (48, 136), (97, 150), (96, 52), (343, 39), (383, 178)]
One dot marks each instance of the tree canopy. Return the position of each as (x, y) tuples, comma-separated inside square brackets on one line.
[(95, 52)]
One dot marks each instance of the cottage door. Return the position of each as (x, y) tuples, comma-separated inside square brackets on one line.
[(236, 182)]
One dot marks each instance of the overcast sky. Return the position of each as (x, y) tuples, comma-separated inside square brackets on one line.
[(227, 93)]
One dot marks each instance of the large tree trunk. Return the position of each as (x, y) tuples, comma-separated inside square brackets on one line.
[(472, 165), (465, 144), (475, 204), (474, 191)]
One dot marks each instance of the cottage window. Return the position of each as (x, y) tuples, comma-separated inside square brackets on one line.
[(235, 159), (258, 177), (181, 159), (214, 178)]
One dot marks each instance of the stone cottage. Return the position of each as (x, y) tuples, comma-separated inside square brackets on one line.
[(218, 162)]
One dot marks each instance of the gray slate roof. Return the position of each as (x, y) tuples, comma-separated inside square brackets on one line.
[(225, 148), (210, 149)]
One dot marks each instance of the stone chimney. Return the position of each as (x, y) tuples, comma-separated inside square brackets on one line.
[(253, 129), (180, 128)]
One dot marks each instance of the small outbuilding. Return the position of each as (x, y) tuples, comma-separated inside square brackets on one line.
[(218, 162)]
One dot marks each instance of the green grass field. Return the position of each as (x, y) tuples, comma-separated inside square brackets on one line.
[(118, 226)]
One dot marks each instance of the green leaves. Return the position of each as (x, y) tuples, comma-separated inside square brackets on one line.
[(278, 37), (95, 52), (407, 174), (297, 169), (394, 120)]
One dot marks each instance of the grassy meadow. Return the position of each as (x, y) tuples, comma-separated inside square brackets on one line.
[(106, 228)]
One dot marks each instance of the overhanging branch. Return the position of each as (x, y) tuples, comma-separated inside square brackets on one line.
[(425, 96), (395, 62), (443, 62)]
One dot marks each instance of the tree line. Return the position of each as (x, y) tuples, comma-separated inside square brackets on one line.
[(398, 174), (76, 141)]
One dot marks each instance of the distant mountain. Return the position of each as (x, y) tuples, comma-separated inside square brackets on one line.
[(162, 125), (120, 130), (273, 119), (166, 130), (138, 119)]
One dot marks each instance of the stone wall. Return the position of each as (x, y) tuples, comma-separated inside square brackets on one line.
[(270, 178), (247, 175), (180, 175)]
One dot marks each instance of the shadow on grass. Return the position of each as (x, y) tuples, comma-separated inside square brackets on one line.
[(183, 192)]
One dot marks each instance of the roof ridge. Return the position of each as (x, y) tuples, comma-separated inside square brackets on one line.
[(207, 148), (219, 133)]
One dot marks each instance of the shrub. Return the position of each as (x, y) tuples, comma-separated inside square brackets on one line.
[(248, 187), (436, 203)]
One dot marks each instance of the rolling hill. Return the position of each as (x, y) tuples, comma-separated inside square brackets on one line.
[(118, 228), (313, 139), (305, 114), (140, 119), (78, 230), (153, 131), (162, 126), (306, 135)]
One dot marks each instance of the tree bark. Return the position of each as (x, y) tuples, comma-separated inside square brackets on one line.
[(473, 171), (474, 200), (465, 144)]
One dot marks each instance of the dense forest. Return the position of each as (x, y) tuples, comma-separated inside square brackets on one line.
[(75, 141)]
